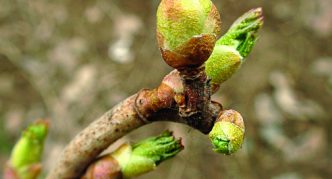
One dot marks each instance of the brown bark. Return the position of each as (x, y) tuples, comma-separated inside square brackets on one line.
[(160, 104), (90, 142)]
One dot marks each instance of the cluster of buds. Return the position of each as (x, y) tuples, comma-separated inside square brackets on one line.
[(187, 32), (129, 160)]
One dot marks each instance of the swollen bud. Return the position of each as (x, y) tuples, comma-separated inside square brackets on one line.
[(222, 64), (187, 31), (26, 155), (228, 132), (144, 156), (232, 48), (104, 167)]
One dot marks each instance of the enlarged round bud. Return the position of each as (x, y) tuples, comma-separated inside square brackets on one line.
[(186, 31), (223, 63), (228, 132)]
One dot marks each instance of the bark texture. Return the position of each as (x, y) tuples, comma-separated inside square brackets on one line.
[(89, 143), (177, 95)]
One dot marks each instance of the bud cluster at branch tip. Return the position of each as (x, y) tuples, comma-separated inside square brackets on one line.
[(187, 31), (227, 133)]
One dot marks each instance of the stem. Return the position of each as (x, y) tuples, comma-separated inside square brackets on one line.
[(147, 106), (194, 106), (90, 142)]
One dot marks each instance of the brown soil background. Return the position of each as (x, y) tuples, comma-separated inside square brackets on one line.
[(70, 61)]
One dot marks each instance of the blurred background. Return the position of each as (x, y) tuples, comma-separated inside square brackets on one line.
[(70, 61)]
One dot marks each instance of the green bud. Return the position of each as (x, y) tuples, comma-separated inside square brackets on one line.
[(232, 48), (27, 152), (186, 31), (228, 132), (144, 156), (222, 64), (242, 35)]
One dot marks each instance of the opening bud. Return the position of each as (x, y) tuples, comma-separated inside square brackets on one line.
[(222, 64), (144, 156), (227, 133), (242, 35), (232, 48), (27, 152)]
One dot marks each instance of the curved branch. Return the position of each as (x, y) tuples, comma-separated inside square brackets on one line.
[(90, 142), (159, 104)]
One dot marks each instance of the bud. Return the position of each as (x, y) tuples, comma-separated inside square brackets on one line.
[(9, 172), (222, 64), (231, 49), (144, 156), (104, 167), (187, 31), (242, 35), (228, 132), (26, 155)]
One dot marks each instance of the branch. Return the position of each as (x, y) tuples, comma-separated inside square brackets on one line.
[(146, 106), (185, 94), (90, 142)]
